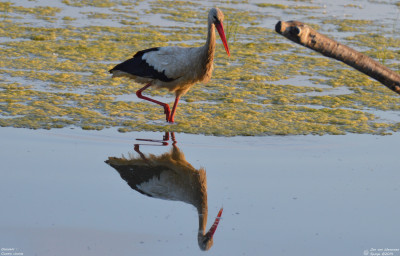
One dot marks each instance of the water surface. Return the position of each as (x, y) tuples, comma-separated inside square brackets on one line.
[(289, 195)]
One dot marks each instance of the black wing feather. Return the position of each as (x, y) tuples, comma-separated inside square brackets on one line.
[(137, 66), (136, 175)]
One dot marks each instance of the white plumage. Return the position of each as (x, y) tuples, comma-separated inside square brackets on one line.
[(174, 68)]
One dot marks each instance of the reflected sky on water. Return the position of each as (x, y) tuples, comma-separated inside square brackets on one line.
[(325, 195)]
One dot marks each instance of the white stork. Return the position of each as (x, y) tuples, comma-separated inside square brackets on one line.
[(174, 68), (170, 177)]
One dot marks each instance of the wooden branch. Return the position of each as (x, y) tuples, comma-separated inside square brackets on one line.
[(304, 35)]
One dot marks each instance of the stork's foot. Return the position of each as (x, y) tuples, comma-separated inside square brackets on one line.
[(171, 119)]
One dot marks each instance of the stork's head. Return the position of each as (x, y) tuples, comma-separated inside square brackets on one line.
[(216, 17), (206, 241)]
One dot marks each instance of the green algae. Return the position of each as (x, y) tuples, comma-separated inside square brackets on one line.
[(40, 12), (56, 76), (282, 6), (95, 3), (348, 25)]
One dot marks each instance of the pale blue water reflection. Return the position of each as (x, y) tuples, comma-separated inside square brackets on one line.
[(294, 195)]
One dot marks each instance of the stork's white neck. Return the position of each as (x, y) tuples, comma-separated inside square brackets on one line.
[(203, 220), (210, 43), (207, 53), (202, 228), (202, 211)]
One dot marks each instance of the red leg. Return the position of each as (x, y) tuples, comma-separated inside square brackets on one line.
[(166, 136), (139, 152), (165, 105), (173, 138), (171, 117), (163, 141)]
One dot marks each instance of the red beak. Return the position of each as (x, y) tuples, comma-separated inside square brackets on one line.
[(220, 29), (214, 226)]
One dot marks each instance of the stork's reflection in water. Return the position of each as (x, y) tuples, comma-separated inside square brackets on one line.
[(169, 177)]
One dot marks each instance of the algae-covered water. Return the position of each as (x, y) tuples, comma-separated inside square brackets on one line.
[(55, 57)]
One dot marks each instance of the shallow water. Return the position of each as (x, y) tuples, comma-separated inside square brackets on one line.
[(292, 195), (56, 55), (281, 195)]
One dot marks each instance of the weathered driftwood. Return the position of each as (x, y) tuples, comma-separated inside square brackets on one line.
[(304, 35)]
